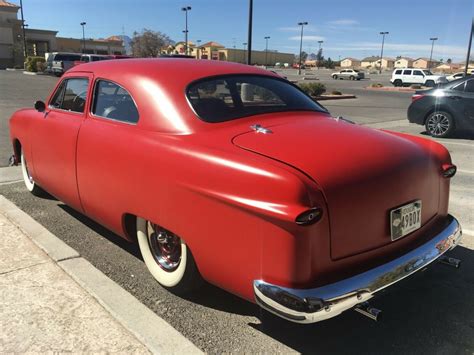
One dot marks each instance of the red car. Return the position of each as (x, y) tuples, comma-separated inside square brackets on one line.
[(231, 174)]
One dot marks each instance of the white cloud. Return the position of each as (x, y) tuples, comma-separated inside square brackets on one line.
[(343, 22), (307, 28), (307, 38)]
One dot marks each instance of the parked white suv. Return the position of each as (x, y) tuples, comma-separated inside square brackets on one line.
[(408, 76), (348, 74)]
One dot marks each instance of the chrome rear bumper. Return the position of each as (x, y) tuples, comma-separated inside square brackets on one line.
[(317, 304)]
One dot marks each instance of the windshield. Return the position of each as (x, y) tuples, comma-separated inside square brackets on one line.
[(225, 98)]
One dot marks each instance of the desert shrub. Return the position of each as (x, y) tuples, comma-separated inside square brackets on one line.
[(377, 85), (31, 63), (313, 89), (336, 92)]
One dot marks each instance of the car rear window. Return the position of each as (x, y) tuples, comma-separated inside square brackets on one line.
[(224, 98)]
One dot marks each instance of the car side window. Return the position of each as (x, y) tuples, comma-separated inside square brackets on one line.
[(114, 102), (398, 72), (71, 95), (469, 86), (418, 72), (407, 72), (459, 87)]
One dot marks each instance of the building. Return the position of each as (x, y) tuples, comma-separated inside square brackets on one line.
[(216, 51), (374, 63), (424, 63), (39, 42), (350, 63), (403, 62), (110, 45)]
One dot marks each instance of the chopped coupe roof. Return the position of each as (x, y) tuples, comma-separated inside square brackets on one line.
[(162, 68)]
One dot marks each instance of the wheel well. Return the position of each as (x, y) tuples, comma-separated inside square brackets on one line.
[(129, 222), (17, 149)]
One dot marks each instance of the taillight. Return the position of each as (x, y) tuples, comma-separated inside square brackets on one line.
[(416, 97), (449, 170), (310, 216)]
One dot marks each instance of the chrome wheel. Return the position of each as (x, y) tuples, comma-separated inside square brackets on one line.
[(164, 246), (439, 124)]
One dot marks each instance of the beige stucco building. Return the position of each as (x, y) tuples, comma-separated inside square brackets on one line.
[(350, 63), (216, 51), (92, 46), (374, 63), (424, 63), (403, 62)]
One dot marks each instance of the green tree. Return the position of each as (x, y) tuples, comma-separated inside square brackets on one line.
[(148, 43), (329, 63), (320, 57), (304, 56)]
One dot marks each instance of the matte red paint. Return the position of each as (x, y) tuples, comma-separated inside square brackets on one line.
[(230, 193)]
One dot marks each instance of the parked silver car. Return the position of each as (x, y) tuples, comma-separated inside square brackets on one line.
[(350, 74), (58, 63)]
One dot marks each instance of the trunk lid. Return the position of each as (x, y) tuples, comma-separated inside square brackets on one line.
[(363, 173)]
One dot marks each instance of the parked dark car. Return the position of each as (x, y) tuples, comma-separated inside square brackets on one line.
[(444, 109)]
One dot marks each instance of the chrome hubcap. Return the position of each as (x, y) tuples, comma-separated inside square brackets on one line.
[(165, 247), (27, 171), (438, 124)]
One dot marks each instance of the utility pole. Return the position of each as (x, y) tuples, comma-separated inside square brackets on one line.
[(83, 37), (249, 39), (381, 52), (198, 41), (320, 53), (469, 48), (245, 50), (302, 24), (266, 50), (25, 49), (432, 39), (186, 9)]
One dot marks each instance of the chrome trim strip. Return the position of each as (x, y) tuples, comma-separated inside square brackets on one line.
[(317, 304)]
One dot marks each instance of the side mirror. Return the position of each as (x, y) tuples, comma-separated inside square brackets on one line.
[(40, 106)]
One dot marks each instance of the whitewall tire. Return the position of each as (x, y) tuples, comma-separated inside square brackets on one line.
[(28, 179), (167, 257)]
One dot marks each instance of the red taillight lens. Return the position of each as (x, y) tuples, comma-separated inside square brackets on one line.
[(448, 170), (416, 97)]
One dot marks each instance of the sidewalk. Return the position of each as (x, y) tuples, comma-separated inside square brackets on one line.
[(43, 309), (53, 300)]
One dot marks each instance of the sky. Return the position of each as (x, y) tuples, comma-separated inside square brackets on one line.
[(348, 28)]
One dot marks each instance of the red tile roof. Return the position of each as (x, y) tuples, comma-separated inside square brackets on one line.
[(212, 44)]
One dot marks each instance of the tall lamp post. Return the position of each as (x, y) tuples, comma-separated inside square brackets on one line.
[(381, 52), (302, 24), (266, 50), (198, 41), (249, 39), (186, 9), (83, 37), (25, 49), (320, 43), (469, 48), (432, 39), (245, 50)]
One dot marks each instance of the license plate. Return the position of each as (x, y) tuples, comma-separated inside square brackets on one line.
[(405, 219)]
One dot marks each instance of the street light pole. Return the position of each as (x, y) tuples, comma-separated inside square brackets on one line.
[(25, 49), (186, 9), (198, 41), (381, 52), (83, 37), (266, 50), (249, 39), (319, 50), (432, 39), (469, 48), (302, 24)]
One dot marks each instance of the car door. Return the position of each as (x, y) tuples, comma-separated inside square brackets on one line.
[(468, 99), (407, 77), (55, 138), (418, 77)]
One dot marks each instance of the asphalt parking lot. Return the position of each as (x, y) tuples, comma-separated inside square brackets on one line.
[(428, 314)]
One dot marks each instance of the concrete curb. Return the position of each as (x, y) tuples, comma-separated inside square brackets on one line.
[(10, 174), (334, 97), (155, 333), (394, 89)]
